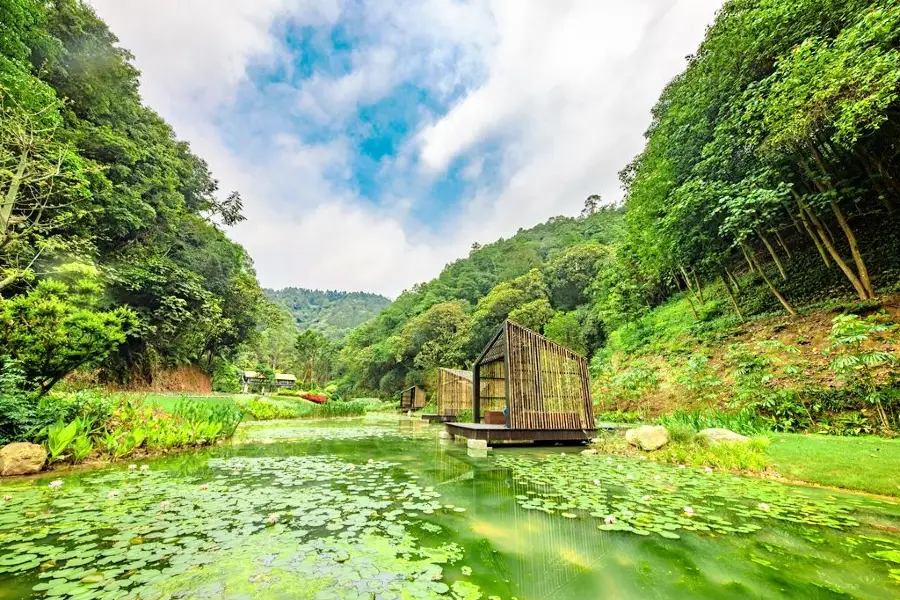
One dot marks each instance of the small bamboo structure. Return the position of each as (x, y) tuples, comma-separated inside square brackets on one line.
[(454, 391), (412, 398), (543, 385)]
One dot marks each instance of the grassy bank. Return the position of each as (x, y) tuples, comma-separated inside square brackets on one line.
[(868, 464), (865, 464), (686, 448)]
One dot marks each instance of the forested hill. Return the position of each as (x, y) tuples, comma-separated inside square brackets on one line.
[(543, 277), (112, 252), (329, 312)]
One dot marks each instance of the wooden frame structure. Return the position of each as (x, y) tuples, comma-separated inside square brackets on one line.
[(543, 386), (412, 398), (454, 395)]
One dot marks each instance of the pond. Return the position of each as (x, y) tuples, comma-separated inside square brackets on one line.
[(385, 509)]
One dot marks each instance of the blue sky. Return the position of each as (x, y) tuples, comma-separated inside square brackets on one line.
[(375, 129), (375, 140)]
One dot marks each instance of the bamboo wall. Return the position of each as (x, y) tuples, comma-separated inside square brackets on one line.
[(412, 399), (492, 386), (548, 384), (454, 391)]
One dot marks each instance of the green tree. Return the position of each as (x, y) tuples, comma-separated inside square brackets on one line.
[(565, 328), (52, 331)]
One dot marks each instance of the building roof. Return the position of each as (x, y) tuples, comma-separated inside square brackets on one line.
[(467, 375), (285, 377)]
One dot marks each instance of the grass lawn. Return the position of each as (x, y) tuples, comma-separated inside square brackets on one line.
[(868, 464)]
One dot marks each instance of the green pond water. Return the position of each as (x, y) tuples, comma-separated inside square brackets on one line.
[(384, 509)]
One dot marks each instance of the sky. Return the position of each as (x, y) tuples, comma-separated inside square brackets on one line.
[(374, 141)]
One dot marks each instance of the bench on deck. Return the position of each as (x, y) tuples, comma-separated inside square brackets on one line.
[(494, 417)]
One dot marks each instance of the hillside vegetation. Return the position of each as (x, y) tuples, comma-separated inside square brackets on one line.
[(332, 313), (752, 265)]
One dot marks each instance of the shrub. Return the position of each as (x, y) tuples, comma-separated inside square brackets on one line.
[(744, 421), (855, 363), (17, 407), (699, 379), (226, 378)]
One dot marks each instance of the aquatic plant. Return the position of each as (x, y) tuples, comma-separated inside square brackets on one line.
[(314, 522), (682, 499)]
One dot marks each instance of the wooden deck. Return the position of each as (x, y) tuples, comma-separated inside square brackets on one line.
[(500, 433), (438, 418)]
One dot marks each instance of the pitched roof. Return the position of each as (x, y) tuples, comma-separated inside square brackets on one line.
[(467, 375)]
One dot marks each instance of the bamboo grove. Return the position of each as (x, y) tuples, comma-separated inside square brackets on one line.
[(782, 136)]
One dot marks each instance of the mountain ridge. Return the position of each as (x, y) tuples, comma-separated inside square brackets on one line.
[(334, 313)]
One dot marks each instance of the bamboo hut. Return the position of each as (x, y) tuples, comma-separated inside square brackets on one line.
[(454, 394), (526, 387), (412, 398)]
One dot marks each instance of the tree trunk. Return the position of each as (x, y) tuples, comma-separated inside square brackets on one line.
[(693, 308), (9, 201), (787, 305), (854, 250), (733, 279), (838, 260), (747, 258), (782, 244), (794, 220), (812, 234), (773, 254), (690, 285), (699, 288), (731, 295)]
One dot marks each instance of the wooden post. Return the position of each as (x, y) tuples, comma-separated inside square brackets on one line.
[(476, 393), (506, 376)]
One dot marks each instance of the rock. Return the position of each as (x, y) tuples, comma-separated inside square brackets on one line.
[(717, 435), (590, 452), (22, 458), (444, 435), (648, 437), (477, 444)]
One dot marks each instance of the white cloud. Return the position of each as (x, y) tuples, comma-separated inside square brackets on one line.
[(330, 99), (569, 93), (560, 90)]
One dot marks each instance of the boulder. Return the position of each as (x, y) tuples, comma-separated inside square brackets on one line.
[(444, 435), (717, 435), (590, 452), (648, 437), (477, 444), (22, 458)]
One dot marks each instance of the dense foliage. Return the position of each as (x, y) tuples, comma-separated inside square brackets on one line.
[(780, 138), (112, 254), (331, 313)]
